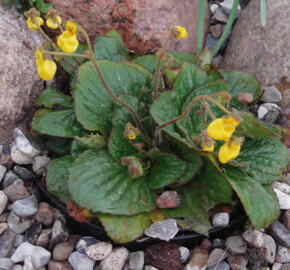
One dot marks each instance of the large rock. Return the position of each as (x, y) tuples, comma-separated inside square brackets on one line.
[(143, 24), (19, 83), (264, 52)]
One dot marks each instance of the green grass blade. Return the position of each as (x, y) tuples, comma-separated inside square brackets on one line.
[(263, 12), (200, 25)]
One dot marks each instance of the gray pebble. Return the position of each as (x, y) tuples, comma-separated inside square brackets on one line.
[(23, 173), (85, 242), (221, 219), (217, 255), (136, 260), (80, 261), (25, 207), (33, 232), (19, 240), (276, 266), (18, 157), (28, 264), (270, 247), (18, 224), (164, 230), (5, 264), (58, 234), (283, 198), (236, 245), (184, 254), (271, 94), (285, 266), (253, 237), (17, 267), (237, 262), (40, 164), (218, 243), (220, 266), (9, 178), (283, 255), (2, 172), (99, 251), (269, 112), (3, 201), (150, 267), (116, 260), (6, 243), (280, 233)]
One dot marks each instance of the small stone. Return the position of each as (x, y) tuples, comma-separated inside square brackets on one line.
[(216, 30), (40, 164), (220, 16), (17, 267), (116, 260), (213, 8), (9, 178), (80, 261), (237, 262), (220, 266), (284, 187), (19, 240), (217, 60), (3, 227), (210, 41), (206, 244), (62, 251), (198, 259), (221, 219), (218, 243), (283, 198), (271, 94), (23, 173), (16, 192), (236, 245), (136, 260), (58, 215), (164, 230), (58, 234), (245, 98), (40, 256), (32, 233), (44, 214), (4, 216), (2, 172), (28, 264), (253, 237), (276, 266), (18, 224), (286, 219), (24, 144), (53, 265), (99, 251), (43, 238), (217, 255), (18, 157), (270, 247), (227, 6), (269, 112), (168, 199), (280, 233), (283, 255), (184, 254), (3, 201), (150, 267), (85, 242), (25, 207), (5, 264), (285, 266), (6, 243)]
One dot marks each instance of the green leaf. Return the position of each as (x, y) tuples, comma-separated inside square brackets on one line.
[(93, 105), (240, 82), (199, 223), (91, 141), (166, 169), (119, 146), (99, 183), (76, 149), (110, 48), (253, 128), (57, 176), (181, 57), (149, 62), (57, 123), (266, 159), (51, 97), (57, 145), (123, 229), (115, 34), (260, 204), (192, 125)]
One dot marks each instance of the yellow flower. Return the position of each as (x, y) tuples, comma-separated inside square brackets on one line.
[(222, 128), (68, 41), (228, 151), (131, 132), (179, 32), (208, 146), (35, 23), (46, 68), (53, 23)]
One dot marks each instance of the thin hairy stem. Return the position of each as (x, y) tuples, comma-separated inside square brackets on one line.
[(66, 54), (208, 110)]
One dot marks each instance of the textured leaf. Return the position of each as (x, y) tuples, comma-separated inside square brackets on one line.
[(199, 223), (260, 204), (192, 125), (266, 159), (76, 149), (57, 145), (57, 177), (119, 146), (110, 48), (251, 127), (124, 229), (91, 141), (93, 105), (115, 34), (51, 96), (57, 123), (240, 82), (166, 169), (181, 57), (99, 183), (149, 62)]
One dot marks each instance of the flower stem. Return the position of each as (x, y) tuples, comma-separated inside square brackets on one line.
[(114, 97), (200, 26), (66, 54)]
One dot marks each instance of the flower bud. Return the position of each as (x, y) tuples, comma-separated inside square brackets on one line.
[(179, 32)]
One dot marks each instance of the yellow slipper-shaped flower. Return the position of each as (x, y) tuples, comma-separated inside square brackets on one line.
[(46, 68), (229, 151), (35, 23)]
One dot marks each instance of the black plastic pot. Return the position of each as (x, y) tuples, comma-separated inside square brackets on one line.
[(183, 238)]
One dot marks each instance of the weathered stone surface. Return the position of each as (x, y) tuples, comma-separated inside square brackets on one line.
[(263, 52), (143, 24), (19, 83), (198, 259), (164, 230)]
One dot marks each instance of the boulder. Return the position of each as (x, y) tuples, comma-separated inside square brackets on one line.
[(20, 85), (143, 24), (263, 52)]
